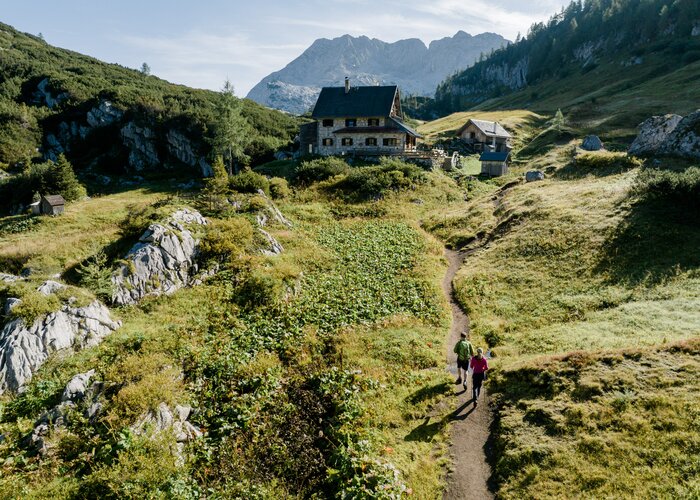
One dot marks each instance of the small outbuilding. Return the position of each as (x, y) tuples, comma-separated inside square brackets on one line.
[(483, 135), (494, 164), (52, 204)]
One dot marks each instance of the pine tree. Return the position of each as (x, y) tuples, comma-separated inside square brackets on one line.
[(232, 133), (61, 179), (145, 69), (216, 185)]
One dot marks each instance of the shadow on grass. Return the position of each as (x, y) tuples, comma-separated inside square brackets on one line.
[(428, 392), (656, 241), (572, 171)]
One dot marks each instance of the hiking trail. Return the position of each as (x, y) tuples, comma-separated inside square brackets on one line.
[(470, 426)]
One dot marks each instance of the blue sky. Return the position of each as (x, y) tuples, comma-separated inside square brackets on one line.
[(201, 43)]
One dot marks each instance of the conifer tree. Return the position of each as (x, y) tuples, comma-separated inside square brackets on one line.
[(232, 133), (61, 179)]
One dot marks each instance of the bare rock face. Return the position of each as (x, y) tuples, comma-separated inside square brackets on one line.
[(24, 348), (653, 133), (592, 143), (181, 148), (142, 149), (162, 262), (669, 135), (43, 95), (105, 113)]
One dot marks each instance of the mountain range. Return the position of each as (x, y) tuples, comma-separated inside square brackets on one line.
[(416, 68)]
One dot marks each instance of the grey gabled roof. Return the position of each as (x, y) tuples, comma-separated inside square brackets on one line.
[(55, 199), (494, 156), (406, 128), (489, 129), (358, 102)]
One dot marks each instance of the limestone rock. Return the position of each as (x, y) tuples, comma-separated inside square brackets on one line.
[(43, 95), (684, 140), (77, 387), (162, 262), (181, 148), (24, 348), (696, 29), (8, 278), (105, 113), (165, 418), (50, 287), (534, 175), (653, 133), (669, 135), (592, 143), (10, 304), (141, 145)]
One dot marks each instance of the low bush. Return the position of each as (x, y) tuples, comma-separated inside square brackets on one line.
[(248, 181), (320, 169), (279, 188), (679, 189), (226, 239), (374, 182), (96, 275), (606, 160)]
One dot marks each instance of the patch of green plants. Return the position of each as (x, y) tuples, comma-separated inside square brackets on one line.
[(249, 181), (677, 188)]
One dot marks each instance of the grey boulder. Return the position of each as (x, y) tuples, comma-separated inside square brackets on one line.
[(534, 175), (592, 143)]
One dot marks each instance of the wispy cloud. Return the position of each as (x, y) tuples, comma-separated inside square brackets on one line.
[(203, 59)]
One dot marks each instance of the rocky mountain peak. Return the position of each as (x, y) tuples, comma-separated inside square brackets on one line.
[(416, 68)]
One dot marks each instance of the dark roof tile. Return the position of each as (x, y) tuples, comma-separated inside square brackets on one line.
[(359, 102)]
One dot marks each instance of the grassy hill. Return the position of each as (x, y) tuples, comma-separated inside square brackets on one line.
[(43, 87)]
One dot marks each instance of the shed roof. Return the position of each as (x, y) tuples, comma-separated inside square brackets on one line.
[(54, 199), (359, 101), (494, 156), (489, 129)]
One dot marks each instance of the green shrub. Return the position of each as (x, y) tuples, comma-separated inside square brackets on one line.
[(248, 181), (96, 275), (256, 203), (373, 182), (606, 160), (677, 189), (279, 188), (278, 168), (226, 239), (320, 169), (34, 305), (259, 290)]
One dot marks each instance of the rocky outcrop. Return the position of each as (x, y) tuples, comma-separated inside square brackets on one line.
[(164, 418), (105, 113), (24, 348), (140, 143), (79, 390), (271, 212), (162, 262), (416, 68), (670, 135), (44, 96), (592, 143), (181, 148)]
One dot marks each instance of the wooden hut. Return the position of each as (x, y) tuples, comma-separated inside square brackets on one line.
[(494, 164), (52, 204)]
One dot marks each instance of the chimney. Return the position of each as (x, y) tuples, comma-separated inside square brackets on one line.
[(347, 84)]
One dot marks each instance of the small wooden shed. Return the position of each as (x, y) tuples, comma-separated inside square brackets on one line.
[(494, 164), (52, 204)]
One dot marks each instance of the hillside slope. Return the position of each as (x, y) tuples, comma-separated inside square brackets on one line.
[(415, 68), (599, 58), (110, 118)]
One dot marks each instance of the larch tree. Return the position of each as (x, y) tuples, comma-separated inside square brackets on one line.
[(232, 133)]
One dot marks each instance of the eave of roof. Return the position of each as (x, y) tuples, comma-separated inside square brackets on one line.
[(55, 199)]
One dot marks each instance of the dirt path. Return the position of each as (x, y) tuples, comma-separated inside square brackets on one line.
[(470, 426)]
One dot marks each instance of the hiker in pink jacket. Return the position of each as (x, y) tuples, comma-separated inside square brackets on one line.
[(479, 367)]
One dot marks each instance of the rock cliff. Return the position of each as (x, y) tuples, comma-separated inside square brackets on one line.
[(414, 67)]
